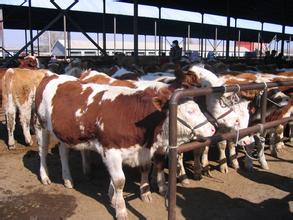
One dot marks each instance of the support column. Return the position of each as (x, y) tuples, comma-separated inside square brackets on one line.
[(30, 26), (201, 39), (283, 39), (228, 30), (114, 31), (65, 38), (135, 31), (261, 41), (104, 26), (159, 32)]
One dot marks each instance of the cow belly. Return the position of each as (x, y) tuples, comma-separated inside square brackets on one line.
[(133, 156)]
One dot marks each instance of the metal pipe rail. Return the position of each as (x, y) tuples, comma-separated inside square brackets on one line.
[(173, 147)]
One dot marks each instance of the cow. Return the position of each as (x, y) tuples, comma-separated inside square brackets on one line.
[(178, 82), (226, 113), (18, 93), (124, 125)]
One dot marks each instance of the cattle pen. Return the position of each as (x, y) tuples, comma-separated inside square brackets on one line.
[(174, 149)]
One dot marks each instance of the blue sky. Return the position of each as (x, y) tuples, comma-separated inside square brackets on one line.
[(114, 7)]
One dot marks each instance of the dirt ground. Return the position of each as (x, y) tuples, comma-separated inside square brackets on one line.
[(236, 195)]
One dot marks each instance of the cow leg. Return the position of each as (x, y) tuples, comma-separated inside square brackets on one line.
[(260, 145), (223, 160), (10, 113), (233, 155), (63, 152), (272, 143), (205, 161), (197, 168), (248, 163), (111, 193), (113, 161), (158, 174), (86, 163), (279, 138), (42, 136), (25, 120), (182, 177), (145, 193), (291, 132)]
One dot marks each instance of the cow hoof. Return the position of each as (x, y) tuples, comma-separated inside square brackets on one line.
[(207, 173), (197, 176), (185, 182), (146, 197), (11, 147), (31, 143), (265, 166), (46, 181), (224, 168), (122, 215), (280, 146), (163, 190), (235, 165), (68, 184)]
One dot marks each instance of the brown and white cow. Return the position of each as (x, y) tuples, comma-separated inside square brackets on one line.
[(178, 82), (124, 125), (18, 93)]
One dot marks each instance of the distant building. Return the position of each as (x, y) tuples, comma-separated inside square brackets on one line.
[(86, 48)]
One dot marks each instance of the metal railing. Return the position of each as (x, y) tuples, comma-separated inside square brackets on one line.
[(174, 149)]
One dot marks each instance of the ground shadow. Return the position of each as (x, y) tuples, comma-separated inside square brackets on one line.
[(96, 187), (206, 204)]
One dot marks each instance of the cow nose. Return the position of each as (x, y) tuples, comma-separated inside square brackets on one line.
[(213, 130)]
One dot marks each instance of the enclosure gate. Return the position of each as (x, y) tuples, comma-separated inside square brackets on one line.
[(174, 149)]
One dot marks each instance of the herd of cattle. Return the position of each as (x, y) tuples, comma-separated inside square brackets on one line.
[(126, 120)]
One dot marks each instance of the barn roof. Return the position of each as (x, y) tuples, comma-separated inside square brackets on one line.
[(16, 17), (271, 11)]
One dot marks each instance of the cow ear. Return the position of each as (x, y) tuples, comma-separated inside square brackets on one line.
[(164, 95), (159, 103)]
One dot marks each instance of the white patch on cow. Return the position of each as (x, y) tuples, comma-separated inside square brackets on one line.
[(159, 76), (100, 124), (117, 91), (206, 77), (142, 85), (81, 128), (121, 72), (46, 106), (95, 73)]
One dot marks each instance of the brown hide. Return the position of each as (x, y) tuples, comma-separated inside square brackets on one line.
[(127, 120)]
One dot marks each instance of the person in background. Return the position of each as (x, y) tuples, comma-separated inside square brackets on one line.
[(175, 52), (280, 60)]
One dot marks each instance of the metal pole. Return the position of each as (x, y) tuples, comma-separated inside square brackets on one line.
[(235, 44), (289, 47), (159, 32), (65, 38), (114, 34), (25, 40), (172, 160), (201, 39), (239, 38), (30, 26), (188, 37), (283, 39), (155, 38), (258, 44), (145, 45), (135, 30), (104, 26), (38, 44), (122, 43), (166, 45), (228, 30), (216, 39), (69, 42), (261, 39), (2, 32), (49, 42)]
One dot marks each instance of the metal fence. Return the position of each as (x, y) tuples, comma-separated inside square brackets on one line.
[(174, 149)]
